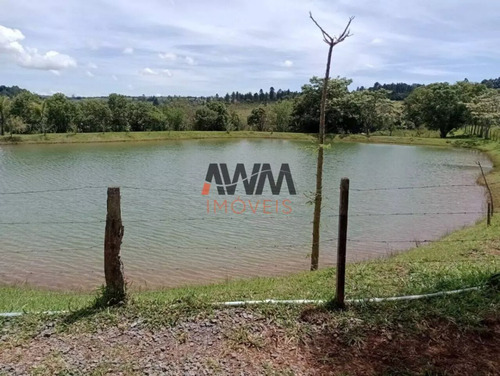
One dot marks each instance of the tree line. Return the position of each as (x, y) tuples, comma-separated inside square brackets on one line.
[(443, 107)]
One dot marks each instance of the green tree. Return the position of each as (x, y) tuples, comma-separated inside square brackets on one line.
[(144, 116), (24, 106), (391, 115), (4, 113), (306, 109), (39, 111), (235, 121), (212, 117), (371, 110), (118, 106), (175, 117), (467, 91), (258, 119), (16, 125), (60, 113), (281, 115), (94, 115), (485, 111), (438, 106), (272, 94)]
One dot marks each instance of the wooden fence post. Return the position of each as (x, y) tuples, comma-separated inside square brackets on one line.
[(488, 218), (488, 188), (342, 242), (113, 267)]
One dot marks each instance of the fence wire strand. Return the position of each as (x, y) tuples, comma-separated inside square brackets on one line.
[(149, 220)]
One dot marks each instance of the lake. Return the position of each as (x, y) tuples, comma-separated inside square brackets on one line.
[(53, 208)]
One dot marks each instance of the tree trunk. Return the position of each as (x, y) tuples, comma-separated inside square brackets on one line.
[(318, 198), (443, 133)]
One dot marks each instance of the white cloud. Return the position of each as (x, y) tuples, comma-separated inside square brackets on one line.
[(9, 40), (30, 57), (51, 60), (148, 72), (422, 71), (114, 77), (89, 74), (209, 35), (55, 72), (153, 72), (287, 63), (167, 56), (91, 66), (166, 72)]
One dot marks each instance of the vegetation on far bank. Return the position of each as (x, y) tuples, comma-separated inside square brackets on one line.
[(471, 107), (64, 138), (406, 137)]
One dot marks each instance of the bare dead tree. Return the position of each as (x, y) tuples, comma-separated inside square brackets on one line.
[(332, 42)]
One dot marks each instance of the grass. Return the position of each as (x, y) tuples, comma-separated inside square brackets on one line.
[(65, 138), (403, 138)]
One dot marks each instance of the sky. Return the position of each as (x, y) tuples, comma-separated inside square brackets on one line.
[(203, 47)]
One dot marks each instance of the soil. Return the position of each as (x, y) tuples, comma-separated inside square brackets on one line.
[(247, 342)]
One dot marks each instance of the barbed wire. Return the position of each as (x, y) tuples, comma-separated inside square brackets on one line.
[(52, 190), (412, 213), (412, 187), (89, 187), (50, 222), (418, 240), (50, 250), (147, 188), (175, 189), (229, 217), (275, 246)]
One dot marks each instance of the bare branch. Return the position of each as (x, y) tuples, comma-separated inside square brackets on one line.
[(347, 32), (325, 34), (332, 41)]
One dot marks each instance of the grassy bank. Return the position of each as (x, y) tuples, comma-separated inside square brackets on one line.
[(68, 138)]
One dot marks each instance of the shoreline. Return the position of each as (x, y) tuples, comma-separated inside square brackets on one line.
[(120, 137)]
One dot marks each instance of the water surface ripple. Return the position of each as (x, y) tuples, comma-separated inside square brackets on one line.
[(55, 239)]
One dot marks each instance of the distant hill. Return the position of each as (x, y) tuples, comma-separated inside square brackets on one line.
[(10, 91), (399, 91), (492, 83)]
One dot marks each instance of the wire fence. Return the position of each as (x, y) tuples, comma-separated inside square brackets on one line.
[(305, 245)]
